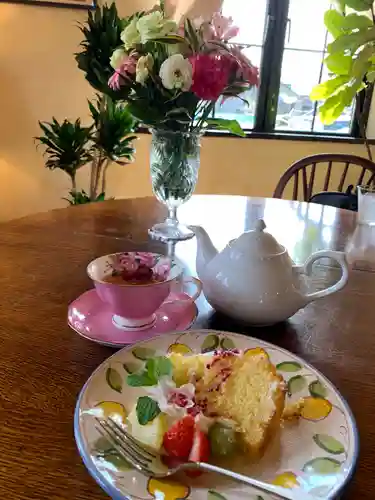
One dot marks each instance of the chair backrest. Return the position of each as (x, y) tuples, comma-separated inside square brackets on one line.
[(305, 170)]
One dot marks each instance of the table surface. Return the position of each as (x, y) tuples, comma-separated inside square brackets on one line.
[(44, 364)]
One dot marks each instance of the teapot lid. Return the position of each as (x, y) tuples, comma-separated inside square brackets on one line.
[(259, 243)]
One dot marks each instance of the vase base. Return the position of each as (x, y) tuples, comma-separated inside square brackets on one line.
[(170, 232)]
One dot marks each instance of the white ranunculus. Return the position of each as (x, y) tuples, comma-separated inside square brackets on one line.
[(176, 73), (117, 57), (153, 25), (130, 35), (144, 66)]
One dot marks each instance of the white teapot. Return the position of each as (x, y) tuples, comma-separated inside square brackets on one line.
[(254, 280)]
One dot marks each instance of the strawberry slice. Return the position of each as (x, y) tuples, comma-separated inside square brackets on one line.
[(200, 451), (178, 440)]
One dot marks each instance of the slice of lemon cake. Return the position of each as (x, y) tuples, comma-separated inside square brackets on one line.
[(241, 386)]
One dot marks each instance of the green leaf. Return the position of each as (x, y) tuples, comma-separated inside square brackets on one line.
[(159, 367), (352, 41), (289, 366), (214, 495), (339, 64), (221, 124), (340, 5), (131, 367), (114, 379), (334, 22), (322, 466), (141, 379), (150, 375), (143, 353), (147, 409), (317, 389), (329, 444), (360, 5), (332, 108), (326, 89), (371, 76), (169, 39), (362, 62), (355, 21), (210, 343), (226, 343), (296, 384)]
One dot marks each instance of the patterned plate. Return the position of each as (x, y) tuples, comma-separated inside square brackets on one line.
[(318, 452)]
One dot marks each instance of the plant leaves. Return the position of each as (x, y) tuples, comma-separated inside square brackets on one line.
[(289, 366), (210, 343), (114, 379), (340, 64), (362, 63), (329, 444), (227, 344), (334, 22), (355, 21), (131, 367), (296, 384), (147, 409), (221, 124), (326, 89), (317, 389), (360, 5), (143, 353), (322, 466), (352, 41)]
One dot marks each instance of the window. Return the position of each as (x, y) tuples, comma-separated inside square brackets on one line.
[(287, 39)]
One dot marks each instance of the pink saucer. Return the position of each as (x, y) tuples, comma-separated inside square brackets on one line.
[(92, 319)]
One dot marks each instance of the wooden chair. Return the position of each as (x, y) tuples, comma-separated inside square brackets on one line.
[(307, 169)]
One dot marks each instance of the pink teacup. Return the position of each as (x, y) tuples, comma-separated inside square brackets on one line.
[(134, 305)]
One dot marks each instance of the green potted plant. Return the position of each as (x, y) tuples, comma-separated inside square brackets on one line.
[(350, 62), (69, 146)]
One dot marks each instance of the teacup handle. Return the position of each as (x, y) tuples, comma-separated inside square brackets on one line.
[(197, 283), (338, 257)]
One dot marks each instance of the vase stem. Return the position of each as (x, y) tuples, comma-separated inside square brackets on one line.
[(172, 216)]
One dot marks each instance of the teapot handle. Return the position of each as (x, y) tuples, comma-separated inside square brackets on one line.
[(338, 257)]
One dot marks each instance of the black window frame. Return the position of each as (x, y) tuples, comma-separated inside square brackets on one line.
[(275, 31)]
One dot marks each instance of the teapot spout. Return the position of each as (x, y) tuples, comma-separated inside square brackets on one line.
[(205, 249)]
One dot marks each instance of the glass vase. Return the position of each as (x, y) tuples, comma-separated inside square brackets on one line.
[(174, 173)]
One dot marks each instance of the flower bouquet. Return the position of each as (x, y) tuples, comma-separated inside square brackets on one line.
[(171, 77)]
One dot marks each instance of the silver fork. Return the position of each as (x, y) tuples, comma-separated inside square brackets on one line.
[(151, 464)]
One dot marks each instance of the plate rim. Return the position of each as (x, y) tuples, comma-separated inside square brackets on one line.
[(113, 492)]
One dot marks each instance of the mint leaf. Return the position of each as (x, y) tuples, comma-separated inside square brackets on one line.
[(147, 409), (155, 368), (140, 379), (159, 367)]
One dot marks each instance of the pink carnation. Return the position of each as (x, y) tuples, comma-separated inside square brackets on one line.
[(210, 75), (245, 70), (124, 73)]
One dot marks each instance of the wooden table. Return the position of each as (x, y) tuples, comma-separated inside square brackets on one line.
[(44, 364)]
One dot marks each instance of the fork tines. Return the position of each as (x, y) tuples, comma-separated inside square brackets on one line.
[(125, 444)]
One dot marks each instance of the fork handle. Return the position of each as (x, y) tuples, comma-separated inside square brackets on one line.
[(276, 491)]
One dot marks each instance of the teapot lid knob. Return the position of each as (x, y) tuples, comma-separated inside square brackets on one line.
[(260, 225)]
